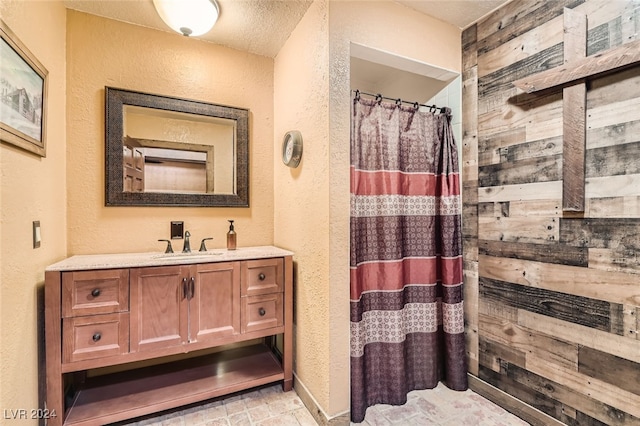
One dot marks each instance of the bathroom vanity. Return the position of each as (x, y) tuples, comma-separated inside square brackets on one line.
[(133, 334)]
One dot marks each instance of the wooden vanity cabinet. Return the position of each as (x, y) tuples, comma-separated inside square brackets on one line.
[(108, 317), (179, 305)]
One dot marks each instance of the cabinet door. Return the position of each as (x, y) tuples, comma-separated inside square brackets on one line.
[(215, 303), (159, 307)]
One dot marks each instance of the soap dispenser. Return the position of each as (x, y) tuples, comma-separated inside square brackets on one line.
[(231, 237)]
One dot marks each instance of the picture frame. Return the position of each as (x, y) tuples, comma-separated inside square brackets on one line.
[(23, 95)]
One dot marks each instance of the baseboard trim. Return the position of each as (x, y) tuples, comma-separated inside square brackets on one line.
[(314, 408), (510, 403)]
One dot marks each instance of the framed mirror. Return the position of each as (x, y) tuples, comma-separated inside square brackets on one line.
[(164, 151)]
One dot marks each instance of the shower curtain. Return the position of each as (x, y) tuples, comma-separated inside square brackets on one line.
[(407, 324)]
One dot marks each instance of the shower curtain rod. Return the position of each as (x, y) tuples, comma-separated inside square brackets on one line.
[(379, 97)]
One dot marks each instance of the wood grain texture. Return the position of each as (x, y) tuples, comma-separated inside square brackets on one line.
[(554, 284), (574, 99), (575, 309), (612, 60)]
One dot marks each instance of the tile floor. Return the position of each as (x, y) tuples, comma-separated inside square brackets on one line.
[(442, 407), (270, 406)]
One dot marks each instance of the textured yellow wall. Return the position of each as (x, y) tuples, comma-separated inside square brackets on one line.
[(311, 94), (301, 99), (103, 52), (31, 188)]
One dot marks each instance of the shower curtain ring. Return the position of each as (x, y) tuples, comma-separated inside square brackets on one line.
[(357, 97), (379, 98), (416, 105), (398, 102)]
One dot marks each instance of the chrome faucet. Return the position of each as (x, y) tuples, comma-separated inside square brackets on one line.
[(187, 246)]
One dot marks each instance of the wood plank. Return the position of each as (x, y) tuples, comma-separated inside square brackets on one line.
[(109, 398), (521, 229), (528, 208), (614, 134), (470, 272), (614, 233), (574, 99), (529, 170), (540, 37), (470, 125), (526, 192), (495, 80), (630, 322), (616, 318), (574, 142), (612, 186), (581, 335), (491, 148), (619, 372), (607, 393), (615, 287), (575, 309), (614, 260), (529, 341), (492, 354), (613, 160), (614, 113), (469, 49), (525, 17), (536, 399), (588, 406), (612, 60), (628, 207), (541, 116), (528, 413), (546, 147), (556, 253), (492, 310), (617, 87), (494, 210)]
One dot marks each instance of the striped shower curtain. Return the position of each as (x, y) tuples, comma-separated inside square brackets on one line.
[(407, 323)]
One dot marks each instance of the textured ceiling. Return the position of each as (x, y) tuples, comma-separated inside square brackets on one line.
[(460, 13), (262, 26)]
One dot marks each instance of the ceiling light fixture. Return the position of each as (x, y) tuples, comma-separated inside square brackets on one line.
[(188, 17)]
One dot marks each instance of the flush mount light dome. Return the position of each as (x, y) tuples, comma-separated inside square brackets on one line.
[(188, 17)]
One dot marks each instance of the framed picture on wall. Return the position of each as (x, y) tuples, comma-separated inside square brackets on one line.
[(23, 95)]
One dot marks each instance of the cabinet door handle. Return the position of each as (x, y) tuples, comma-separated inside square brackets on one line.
[(185, 289), (262, 276), (96, 337), (192, 288), (262, 312), (95, 292)]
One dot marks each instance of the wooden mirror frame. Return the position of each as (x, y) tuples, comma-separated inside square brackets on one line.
[(116, 99)]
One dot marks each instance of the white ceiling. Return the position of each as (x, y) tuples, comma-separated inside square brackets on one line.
[(262, 26)]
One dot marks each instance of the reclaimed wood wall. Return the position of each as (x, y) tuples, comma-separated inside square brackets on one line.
[(552, 298)]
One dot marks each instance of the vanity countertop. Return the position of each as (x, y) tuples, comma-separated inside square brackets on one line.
[(134, 260)]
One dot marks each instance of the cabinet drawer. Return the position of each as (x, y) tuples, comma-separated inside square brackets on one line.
[(262, 312), (95, 292), (95, 336), (262, 276)]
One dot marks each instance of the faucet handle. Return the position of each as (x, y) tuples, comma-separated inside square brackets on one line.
[(186, 248), (169, 248), (202, 246)]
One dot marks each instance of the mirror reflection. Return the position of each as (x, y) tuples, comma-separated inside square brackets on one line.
[(163, 151), (174, 152)]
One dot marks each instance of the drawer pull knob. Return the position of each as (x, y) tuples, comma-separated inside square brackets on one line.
[(262, 276), (261, 311), (97, 337), (95, 292)]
